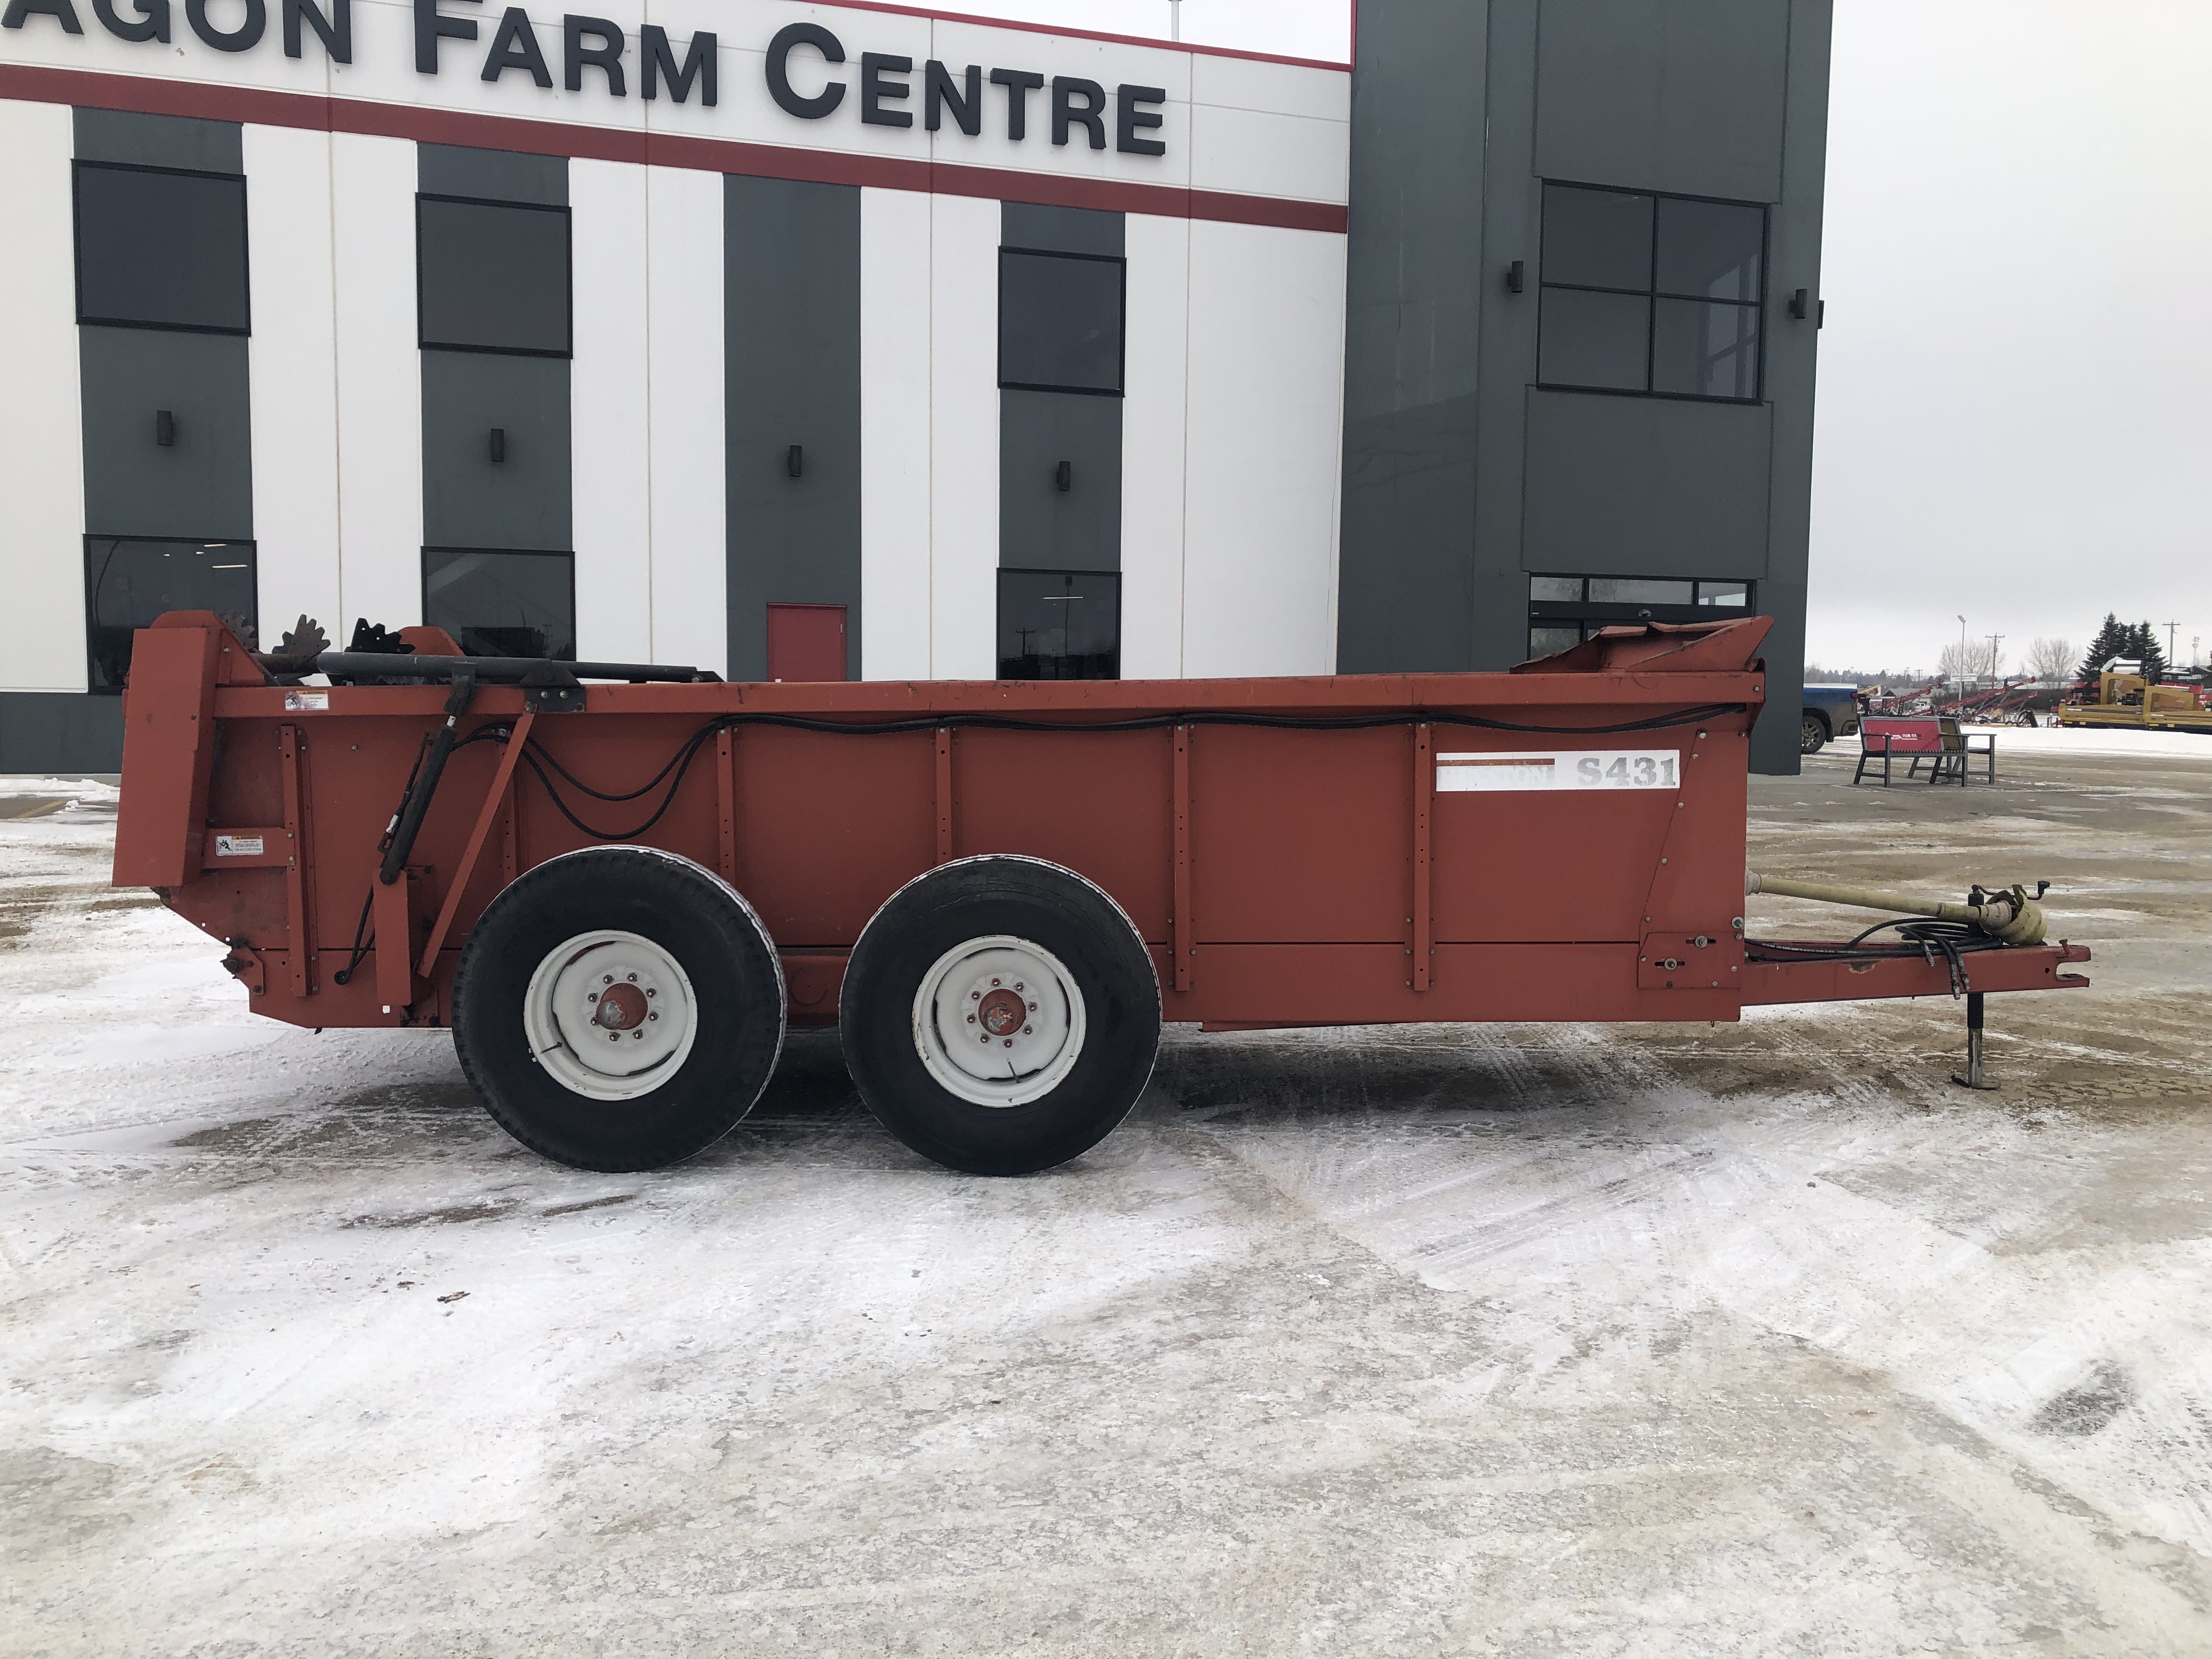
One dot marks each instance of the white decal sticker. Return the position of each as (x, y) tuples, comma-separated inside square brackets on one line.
[(1570, 768), (296, 703), (237, 846)]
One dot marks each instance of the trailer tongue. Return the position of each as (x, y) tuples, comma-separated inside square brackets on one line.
[(618, 894)]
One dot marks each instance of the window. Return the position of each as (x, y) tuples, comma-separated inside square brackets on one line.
[(1059, 625), (1650, 293), (493, 275), (131, 580), (160, 248), (502, 604), (1060, 321), (1564, 610)]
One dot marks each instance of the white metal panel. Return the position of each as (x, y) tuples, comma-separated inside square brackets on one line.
[(1254, 153), (42, 418), (690, 510), (964, 408), (895, 415), (608, 426), (383, 71), (1266, 414), (1285, 88), (293, 354), (380, 378), (1110, 64), (1155, 381)]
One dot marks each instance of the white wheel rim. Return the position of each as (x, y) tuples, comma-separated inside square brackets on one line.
[(610, 1016), (964, 1021)]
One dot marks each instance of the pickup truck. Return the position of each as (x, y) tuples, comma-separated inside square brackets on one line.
[(1831, 712)]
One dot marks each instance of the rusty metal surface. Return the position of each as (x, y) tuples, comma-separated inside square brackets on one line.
[(1279, 874)]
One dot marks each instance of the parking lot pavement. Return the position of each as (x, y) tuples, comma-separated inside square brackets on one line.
[(1694, 1340)]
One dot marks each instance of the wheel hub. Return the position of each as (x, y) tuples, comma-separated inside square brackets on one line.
[(620, 1007), (999, 1013), (610, 1015), (999, 1021)]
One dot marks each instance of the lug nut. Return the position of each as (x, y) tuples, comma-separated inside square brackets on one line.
[(594, 997), (1010, 1042), (971, 1019), (614, 1036), (994, 982), (653, 1016), (632, 978), (652, 992), (975, 996), (1033, 1007), (1026, 1031), (606, 979)]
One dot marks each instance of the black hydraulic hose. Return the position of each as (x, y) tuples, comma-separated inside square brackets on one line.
[(492, 671), (680, 762), (416, 801)]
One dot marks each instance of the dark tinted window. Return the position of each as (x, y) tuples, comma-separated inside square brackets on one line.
[(493, 277), (1060, 321), (1654, 293), (161, 250), (1711, 249), (128, 581), (502, 604), (1597, 238), (1059, 625), (1593, 339), (1564, 609)]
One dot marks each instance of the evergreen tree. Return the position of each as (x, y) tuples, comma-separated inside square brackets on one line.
[(2142, 644), (2114, 639)]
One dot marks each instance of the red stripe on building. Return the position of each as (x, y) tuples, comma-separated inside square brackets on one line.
[(148, 96)]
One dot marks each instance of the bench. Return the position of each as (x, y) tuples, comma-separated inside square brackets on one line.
[(1935, 738)]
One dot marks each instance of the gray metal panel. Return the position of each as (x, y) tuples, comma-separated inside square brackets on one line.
[(202, 485), (496, 175), (1683, 96), (1415, 278), (1511, 212), (1062, 229), (1645, 486), (468, 499), (159, 141), (60, 734), (1792, 355), (792, 338), (1042, 526)]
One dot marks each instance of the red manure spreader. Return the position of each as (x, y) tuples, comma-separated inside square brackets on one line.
[(619, 884)]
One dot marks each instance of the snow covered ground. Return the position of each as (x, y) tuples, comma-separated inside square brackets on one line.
[(1646, 1341), (2059, 741)]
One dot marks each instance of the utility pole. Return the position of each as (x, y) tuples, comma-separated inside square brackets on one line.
[(1962, 656), (1994, 639), (1174, 20), (2169, 627)]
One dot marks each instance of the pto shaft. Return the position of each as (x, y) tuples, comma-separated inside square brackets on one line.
[(2011, 917)]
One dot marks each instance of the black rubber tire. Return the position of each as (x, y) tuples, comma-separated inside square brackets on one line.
[(1028, 899), (687, 911), (1813, 735)]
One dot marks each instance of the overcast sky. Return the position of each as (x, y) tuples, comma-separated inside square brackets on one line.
[(2015, 393)]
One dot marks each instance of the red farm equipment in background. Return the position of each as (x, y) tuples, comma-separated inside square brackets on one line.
[(618, 894)]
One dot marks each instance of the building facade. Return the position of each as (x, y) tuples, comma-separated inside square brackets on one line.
[(804, 341), (1584, 294)]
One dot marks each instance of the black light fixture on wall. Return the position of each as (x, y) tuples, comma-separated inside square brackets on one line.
[(165, 429), (795, 460), (1064, 477), (499, 446)]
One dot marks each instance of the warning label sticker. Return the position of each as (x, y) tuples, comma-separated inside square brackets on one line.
[(237, 846), (1570, 768), (303, 701)]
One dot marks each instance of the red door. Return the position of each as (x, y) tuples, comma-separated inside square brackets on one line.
[(806, 642)]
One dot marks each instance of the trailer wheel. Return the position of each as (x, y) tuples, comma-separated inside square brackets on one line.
[(1000, 1015), (619, 1008)]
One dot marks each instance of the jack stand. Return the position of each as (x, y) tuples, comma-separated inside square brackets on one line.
[(1973, 1079)]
